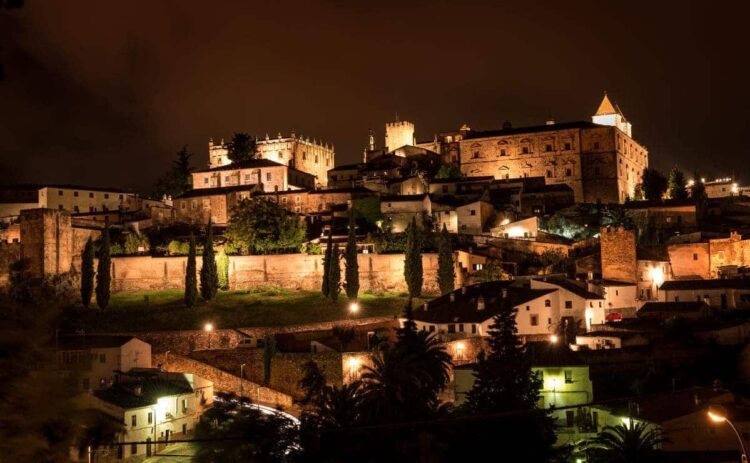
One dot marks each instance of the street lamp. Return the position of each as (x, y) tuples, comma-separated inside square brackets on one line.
[(354, 307), (718, 414), (208, 327), (553, 339)]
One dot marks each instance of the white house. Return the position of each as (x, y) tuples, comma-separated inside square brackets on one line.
[(153, 406), (95, 359), (720, 294), (574, 301)]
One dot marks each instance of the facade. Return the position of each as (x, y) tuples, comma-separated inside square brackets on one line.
[(718, 294), (199, 205), (153, 406), (598, 160), (541, 309), (297, 152), (72, 198), (659, 221), (95, 359), (721, 188), (268, 175)]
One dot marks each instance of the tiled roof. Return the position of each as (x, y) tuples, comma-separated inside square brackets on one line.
[(532, 129), (574, 287), (92, 341), (124, 396), (247, 164), (464, 307), (729, 283), (63, 186), (669, 307)]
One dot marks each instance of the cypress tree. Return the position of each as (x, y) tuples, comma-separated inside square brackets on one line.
[(324, 287), (222, 268), (334, 274), (87, 273), (191, 283), (446, 273), (413, 260), (352, 266), (209, 276), (103, 270)]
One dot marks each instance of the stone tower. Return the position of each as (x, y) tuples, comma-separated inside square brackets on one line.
[(46, 242), (618, 251), (610, 114), (398, 134)]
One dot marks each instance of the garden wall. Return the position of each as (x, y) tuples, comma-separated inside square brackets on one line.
[(377, 272)]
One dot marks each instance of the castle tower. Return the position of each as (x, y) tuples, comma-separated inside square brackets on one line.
[(398, 134), (46, 242), (371, 141), (618, 254), (218, 155), (610, 114)]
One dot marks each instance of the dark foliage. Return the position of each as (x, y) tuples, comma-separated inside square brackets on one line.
[(209, 273), (191, 283), (103, 271), (87, 273)]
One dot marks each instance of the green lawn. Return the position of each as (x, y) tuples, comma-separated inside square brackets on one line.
[(165, 310)]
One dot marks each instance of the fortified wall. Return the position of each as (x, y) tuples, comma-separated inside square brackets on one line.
[(377, 272), (705, 259), (618, 251)]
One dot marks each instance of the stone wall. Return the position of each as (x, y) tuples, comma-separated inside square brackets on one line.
[(224, 381), (378, 272), (618, 253), (690, 260), (730, 251), (10, 253), (47, 242)]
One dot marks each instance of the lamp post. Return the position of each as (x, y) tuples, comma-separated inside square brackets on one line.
[(553, 339), (242, 378), (718, 414), (208, 327), (353, 308)]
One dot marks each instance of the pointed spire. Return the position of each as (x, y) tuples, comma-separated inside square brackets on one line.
[(606, 107)]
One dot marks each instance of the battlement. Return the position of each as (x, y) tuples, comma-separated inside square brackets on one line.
[(398, 134), (399, 124)]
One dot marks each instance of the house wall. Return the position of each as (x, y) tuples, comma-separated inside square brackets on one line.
[(690, 260)]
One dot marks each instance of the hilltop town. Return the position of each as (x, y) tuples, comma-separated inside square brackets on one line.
[(262, 260)]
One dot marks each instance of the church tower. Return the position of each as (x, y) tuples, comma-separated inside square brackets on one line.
[(610, 114)]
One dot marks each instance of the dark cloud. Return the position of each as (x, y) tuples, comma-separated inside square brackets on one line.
[(105, 93)]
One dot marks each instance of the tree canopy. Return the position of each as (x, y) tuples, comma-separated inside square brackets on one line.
[(653, 184), (259, 226), (177, 180), (677, 185), (242, 147)]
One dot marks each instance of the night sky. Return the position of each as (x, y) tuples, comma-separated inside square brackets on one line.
[(104, 93)]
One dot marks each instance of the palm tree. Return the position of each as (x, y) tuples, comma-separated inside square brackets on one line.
[(637, 443), (339, 407)]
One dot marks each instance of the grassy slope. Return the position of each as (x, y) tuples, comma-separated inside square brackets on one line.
[(164, 310)]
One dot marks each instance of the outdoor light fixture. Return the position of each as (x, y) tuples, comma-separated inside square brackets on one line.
[(657, 276), (718, 414), (460, 346), (208, 327), (354, 307), (553, 339), (353, 367)]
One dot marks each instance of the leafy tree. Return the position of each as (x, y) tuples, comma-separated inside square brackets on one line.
[(504, 379), (269, 350), (242, 147), (344, 334), (103, 270), (637, 442), (446, 269), (325, 285), (492, 271), (677, 185), (449, 171), (134, 242), (698, 189), (505, 384), (97, 430), (334, 274), (260, 226), (87, 273), (405, 380), (209, 274), (556, 261), (654, 184), (413, 260), (191, 283), (178, 248), (178, 179), (312, 383), (230, 432), (352, 266), (617, 217), (222, 268)]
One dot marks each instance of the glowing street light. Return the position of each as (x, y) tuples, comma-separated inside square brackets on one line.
[(554, 339), (718, 414), (354, 307), (354, 363), (460, 347)]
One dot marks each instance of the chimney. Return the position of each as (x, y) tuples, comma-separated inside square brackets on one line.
[(480, 303)]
